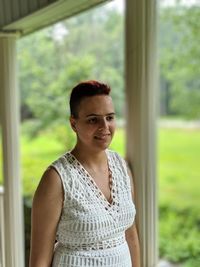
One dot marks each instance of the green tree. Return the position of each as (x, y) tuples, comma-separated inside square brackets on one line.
[(179, 60), (104, 39), (92, 48)]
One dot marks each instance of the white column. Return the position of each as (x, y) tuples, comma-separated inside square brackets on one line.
[(9, 111), (2, 246), (141, 85)]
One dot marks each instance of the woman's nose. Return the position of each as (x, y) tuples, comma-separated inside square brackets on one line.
[(103, 123)]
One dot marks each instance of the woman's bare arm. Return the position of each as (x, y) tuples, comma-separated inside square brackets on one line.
[(46, 211), (132, 236)]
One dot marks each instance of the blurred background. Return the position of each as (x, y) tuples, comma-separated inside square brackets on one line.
[(91, 46)]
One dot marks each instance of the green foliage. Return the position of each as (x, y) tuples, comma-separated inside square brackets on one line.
[(179, 60), (179, 234), (58, 64), (65, 135), (44, 86), (118, 142), (179, 220), (192, 262), (51, 104), (37, 154), (60, 61)]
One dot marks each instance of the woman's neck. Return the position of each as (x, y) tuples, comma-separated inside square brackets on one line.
[(91, 159)]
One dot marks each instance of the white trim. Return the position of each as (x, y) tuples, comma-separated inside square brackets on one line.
[(2, 237), (141, 84), (50, 14), (10, 33), (13, 222)]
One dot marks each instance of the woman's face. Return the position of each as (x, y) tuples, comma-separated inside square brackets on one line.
[(95, 125)]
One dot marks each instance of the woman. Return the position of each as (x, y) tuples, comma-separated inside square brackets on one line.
[(85, 198)]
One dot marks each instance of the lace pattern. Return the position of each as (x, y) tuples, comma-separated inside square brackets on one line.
[(89, 222)]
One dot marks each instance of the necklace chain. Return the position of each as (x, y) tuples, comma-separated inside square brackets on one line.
[(110, 182)]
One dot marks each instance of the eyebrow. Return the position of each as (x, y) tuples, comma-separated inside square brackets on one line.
[(97, 115)]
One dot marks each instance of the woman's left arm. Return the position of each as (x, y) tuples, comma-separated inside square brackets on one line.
[(132, 236)]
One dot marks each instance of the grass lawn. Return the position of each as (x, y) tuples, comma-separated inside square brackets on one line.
[(37, 154), (179, 167)]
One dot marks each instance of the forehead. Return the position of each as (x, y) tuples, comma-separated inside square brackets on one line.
[(99, 104)]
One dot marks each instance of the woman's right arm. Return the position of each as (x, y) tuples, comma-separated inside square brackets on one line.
[(46, 211)]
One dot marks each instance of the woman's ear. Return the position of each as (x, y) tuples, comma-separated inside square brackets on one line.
[(73, 123)]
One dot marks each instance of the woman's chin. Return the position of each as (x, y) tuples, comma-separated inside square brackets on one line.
[(103, 144)]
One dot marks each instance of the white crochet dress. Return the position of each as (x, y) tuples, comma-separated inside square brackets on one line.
[(91, 231)]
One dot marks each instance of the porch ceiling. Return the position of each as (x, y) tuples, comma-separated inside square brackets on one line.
[(28, 19)]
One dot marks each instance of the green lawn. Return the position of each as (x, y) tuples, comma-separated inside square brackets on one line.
[(37, 154), (179, 198), (179, 167)]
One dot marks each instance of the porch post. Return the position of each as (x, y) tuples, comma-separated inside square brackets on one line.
[(141, 85), (9, 118)]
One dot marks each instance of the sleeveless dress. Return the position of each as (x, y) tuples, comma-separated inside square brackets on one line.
[(91, 231)]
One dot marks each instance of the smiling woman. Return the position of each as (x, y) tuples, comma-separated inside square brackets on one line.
[(95, 124), (83, 210)]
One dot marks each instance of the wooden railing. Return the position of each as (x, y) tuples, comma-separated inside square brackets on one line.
[(2, 245)]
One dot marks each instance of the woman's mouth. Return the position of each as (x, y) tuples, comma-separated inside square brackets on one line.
[(102, 136)]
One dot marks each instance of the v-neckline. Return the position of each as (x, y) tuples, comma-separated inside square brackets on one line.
[(93, 184)]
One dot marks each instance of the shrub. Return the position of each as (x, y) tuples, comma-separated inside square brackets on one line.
[(179, 235)]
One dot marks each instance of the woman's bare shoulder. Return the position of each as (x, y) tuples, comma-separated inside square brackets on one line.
[(50, 184), (46, 212)]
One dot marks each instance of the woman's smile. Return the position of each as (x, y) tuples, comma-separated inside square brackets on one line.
[(95, 125), (102, 137)]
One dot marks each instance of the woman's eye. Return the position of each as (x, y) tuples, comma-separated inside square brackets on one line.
[(110, 118), (92, 120)]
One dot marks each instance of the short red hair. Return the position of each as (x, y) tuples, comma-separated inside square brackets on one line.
[(86, 89)]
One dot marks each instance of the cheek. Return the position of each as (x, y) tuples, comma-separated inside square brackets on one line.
[(86, 130), (113, 127)]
